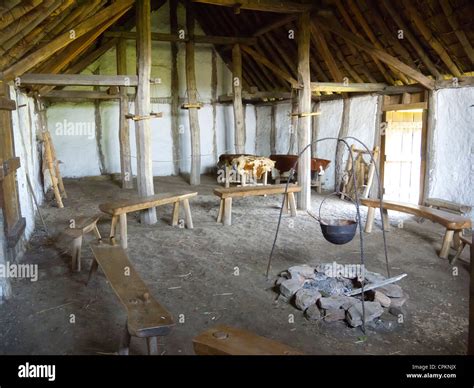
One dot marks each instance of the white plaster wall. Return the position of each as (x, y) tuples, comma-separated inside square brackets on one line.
[(87, 163), (282, 128), (264, 123), (452, 157), (27, 149), (250, 129)]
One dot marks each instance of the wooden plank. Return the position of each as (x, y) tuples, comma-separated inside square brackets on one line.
[(195, 176), (175, 37), (249, 191), (380, 54), (448, 220), (226, 340), (64, 39), (268, 64), (349, 87), (143, 108), (146, 317), (77, 80), (260, 5), (449, 205), (412, 106), (136, 204), (78, 95), (7, 104), (124, 130), (239, 124)]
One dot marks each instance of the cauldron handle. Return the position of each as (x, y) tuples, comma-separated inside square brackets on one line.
[(326, 197)]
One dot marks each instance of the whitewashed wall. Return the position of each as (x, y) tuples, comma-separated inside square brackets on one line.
[(451, 166), (27, 149), (83, 155)]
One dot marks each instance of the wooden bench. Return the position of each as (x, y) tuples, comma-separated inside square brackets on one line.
[(82, 226), (146, 318), (119, 209), (224, 340), (453, 223), (226, 195)]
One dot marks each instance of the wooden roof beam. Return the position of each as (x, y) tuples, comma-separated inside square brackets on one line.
[(408, 34), (64, 39), (271, 66), (370, 34), (453, 21), (260, 5), (78, 80), (204, 39), (435, 43), (17, 12), (274, 25), (336, 87), (323, 48), (379, 54)]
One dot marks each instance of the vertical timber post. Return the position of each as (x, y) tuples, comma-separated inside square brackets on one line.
[(239, 124), (195, 177), (304, 102), (124, 130), (142, 108), (175, 87)]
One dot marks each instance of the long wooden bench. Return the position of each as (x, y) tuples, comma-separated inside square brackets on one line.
[(146, 318), (453, 223), (226, 195), (119, 209), (224, 340)]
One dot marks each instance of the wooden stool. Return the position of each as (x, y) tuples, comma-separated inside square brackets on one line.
[(463, 241), (83, 226)]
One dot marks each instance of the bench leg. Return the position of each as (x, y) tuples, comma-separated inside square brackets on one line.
[(76, 253), (97, 233), (448, 238), (113, 227), (292, 203), (458, 253), (228, 211), (265, 178), (93, 270), (457, 239), (187, 214), (152, 344), (285, 205), (227, 176), (369, 223), (386, 221), (221, 211), (123, 231), (175, 219), (125, 342)]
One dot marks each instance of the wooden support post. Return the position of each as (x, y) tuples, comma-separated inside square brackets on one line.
[(124, 133), (195, 177), (187, 214), (239, 124), (142, 108), (123, 231), (304, 102), (448, 238), (175, 87), (228, 211), (343, 131), (175, 219)]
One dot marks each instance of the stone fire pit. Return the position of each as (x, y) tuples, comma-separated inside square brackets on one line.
[(321, 293)]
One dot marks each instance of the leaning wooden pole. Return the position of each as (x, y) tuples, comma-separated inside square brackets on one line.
[(124, 130), (142, 108), (304, 103), (239, 124), (195, 176)]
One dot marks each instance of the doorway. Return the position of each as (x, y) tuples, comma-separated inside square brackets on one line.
[(402, 155)]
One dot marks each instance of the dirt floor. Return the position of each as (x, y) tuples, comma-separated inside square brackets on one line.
[(192, 273)]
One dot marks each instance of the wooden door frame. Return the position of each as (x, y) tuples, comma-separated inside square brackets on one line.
[(424, 139)]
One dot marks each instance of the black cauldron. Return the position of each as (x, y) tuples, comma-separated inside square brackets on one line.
[(339, 231)]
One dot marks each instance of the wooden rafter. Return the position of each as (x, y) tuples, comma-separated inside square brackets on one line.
[(260, 5), (64, 39), (434, 42), (372, 50), (321, 44), (411, 38), (350, 87), (17, 12), (453, 21)]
